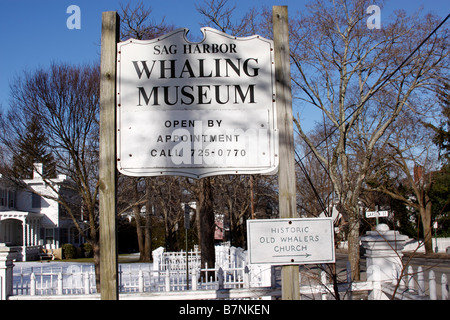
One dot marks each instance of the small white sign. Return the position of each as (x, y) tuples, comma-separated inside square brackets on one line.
[(376, 214), (291, 241)]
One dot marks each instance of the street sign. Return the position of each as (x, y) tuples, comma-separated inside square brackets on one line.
[(196, 109), (376, 214), (291, 241), (187, 216)]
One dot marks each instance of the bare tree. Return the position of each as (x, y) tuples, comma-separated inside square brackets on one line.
[(137, 23), (202, 192), (133, 196), (346, 72), (167, 195), (358, 79), (65, 101), (409, 158), (221, 15)]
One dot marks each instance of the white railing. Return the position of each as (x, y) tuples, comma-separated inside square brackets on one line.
[(232, 282), (57, 282), (230, 277), (413, 285)]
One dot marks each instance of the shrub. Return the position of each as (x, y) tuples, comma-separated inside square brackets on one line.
[(69, 251), (88, 250)]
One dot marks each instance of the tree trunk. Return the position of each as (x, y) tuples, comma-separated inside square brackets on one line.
[(206, 223), (425, 215), (148, 239), (96, 251), (148, 222), (353, 244), (137, 218), (139, 233)]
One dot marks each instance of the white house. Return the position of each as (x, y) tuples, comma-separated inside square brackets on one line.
[(34, 221)]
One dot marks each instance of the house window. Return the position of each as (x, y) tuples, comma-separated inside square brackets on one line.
[(49, 236), (11, 199), (35, 201), (3, 197)]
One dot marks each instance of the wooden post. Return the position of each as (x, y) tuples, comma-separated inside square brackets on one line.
[(286, 171), (107, 165)]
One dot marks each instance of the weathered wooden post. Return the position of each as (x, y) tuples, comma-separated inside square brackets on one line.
[(107, 165), (286, 171)]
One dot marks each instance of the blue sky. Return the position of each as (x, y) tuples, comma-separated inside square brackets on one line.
[(34, 32)]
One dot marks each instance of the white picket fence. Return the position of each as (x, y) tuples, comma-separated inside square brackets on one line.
[(144, 282), (131, 280), (230, 278), (166, 274), (411, 286), (55, 281)]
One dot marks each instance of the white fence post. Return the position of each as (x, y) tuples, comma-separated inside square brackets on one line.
[(194, 279), (167, 280), (444, 284), (324, 280), (87, 283), (157, 255), (32, 284), (141, 281), (420, 282), (246, 277), (410, 280), (6, 271), (60, 284), (432, 285)]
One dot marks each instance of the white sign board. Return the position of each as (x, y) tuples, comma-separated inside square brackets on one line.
[(196, 109), (376, 214), (291, 241)]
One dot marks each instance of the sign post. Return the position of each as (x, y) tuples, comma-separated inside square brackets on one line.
[(286, 171), (187, 226), (376, 214), (435, 227), (107, 163)]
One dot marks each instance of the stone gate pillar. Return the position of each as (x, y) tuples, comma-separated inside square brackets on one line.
[(6, 271), (384, 249)]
